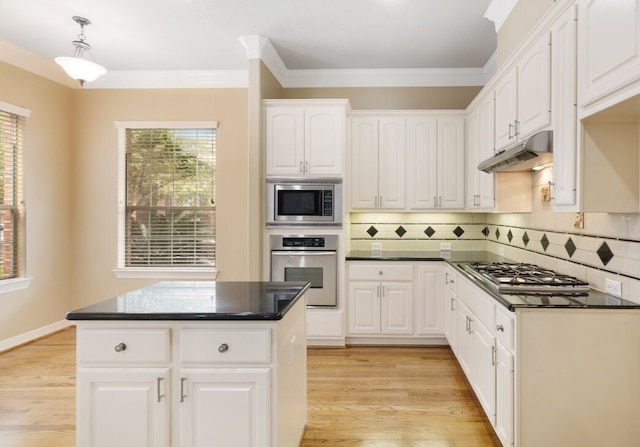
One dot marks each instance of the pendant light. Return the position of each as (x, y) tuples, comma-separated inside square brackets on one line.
[(76, 66)]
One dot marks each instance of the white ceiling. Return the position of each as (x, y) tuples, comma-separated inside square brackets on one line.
[(340, 37)]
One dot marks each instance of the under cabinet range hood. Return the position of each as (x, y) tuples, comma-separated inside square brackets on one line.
[(535, 151)]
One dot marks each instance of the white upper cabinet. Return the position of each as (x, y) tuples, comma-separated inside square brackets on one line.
[(480, 143), (305, 138), (377, 162), (523, 96), (564, 112), (436, 161), (609, 47)]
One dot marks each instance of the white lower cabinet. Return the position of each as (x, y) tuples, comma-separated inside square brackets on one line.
[(484, 346), (395, 300), (450, 306)]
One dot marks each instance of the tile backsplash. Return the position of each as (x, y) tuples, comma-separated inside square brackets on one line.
[(607, 247)]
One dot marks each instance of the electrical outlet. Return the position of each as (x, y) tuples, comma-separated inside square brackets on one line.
[(376, 246), (445, 246), (500, 251), (613, 287)]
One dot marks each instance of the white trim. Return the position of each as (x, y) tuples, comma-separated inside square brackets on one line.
[(169, 273), (166, 125), (35, 334), (16, 110), (171, 79), (14, 285)]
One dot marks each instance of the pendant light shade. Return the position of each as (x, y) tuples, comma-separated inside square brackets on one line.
[(76, 66)]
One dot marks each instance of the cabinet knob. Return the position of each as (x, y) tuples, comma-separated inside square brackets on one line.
[(500, 328), (380, 273), (120, 347), (223, 347)]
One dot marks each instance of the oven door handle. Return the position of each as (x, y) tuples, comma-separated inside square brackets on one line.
[(303, 253)]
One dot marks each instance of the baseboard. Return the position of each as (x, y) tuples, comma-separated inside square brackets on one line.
[(328, 342), (35, 334)]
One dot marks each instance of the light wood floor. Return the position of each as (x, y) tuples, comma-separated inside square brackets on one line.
[(358, 397)]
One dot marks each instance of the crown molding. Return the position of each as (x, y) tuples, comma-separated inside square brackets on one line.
[(498, 11), (171, 79)]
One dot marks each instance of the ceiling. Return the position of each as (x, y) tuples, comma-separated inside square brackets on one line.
[(339, 37)]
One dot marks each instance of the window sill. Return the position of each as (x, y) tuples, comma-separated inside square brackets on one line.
[(14, 284), (166, 273)]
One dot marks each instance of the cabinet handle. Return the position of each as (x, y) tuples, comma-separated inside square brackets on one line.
[(550, 191), (453, 307), (223, 348), (510, 127), (380, 201), (306, 167), (435, 201), (440, 202), (446, 277), (160, 396), (500, 328), (494, 356), (120, 347), (516, 127), (300, 168), (182, 395)]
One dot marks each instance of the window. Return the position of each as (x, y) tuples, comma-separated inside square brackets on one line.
[(168, 214), (12, 124)]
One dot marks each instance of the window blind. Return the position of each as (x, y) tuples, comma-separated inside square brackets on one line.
[(170, 197), (11, 198)]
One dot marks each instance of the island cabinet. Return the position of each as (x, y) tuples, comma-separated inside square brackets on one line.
[(523, 96), (192, 383), (305, 137), (394, 302)]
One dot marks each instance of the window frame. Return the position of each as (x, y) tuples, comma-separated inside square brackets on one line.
[(20, 282), (162, 273)]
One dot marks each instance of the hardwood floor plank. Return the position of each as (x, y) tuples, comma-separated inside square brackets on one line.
[(358, 397)]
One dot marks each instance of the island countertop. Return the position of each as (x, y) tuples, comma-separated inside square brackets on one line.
[(198, 300)]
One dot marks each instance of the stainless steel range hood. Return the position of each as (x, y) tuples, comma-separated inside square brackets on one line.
[(534, 151)]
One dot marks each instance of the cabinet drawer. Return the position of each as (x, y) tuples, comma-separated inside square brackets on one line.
[(381, 272), (115, 346), (225, 346), (505, 327)]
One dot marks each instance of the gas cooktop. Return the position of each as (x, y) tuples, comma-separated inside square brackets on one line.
[(522, 278)]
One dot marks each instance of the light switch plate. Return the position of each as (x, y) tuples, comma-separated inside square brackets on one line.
[(446, 246)]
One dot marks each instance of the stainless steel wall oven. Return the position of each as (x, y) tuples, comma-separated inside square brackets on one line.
[(311, 258)]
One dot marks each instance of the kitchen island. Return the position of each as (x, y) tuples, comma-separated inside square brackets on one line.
[(193, 363)]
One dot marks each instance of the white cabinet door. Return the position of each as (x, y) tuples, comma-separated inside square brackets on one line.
[(378, 163), (473, 158), (506, 110), (504, 395), (463, 353), (285, 139), (523, 96), (450, 162), (123, 407), (391, 163), (364, 308), (436, 161), (429, 300), (364, 162), (451, 308), (482, 366), (609, 47), (422, 166), (564, 113), (225, 407), (396, 313), (486, 182), (534, 88), (323, 140)]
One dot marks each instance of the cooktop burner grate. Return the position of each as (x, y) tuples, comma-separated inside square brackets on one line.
[(527, 278)]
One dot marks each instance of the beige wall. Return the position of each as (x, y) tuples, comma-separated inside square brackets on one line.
[(48, 185), (525, 15), (95, 178)]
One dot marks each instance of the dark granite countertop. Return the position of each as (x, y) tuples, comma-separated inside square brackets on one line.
[(593, 299), (198, 300)]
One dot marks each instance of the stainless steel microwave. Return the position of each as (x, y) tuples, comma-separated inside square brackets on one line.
[(304, 202)]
